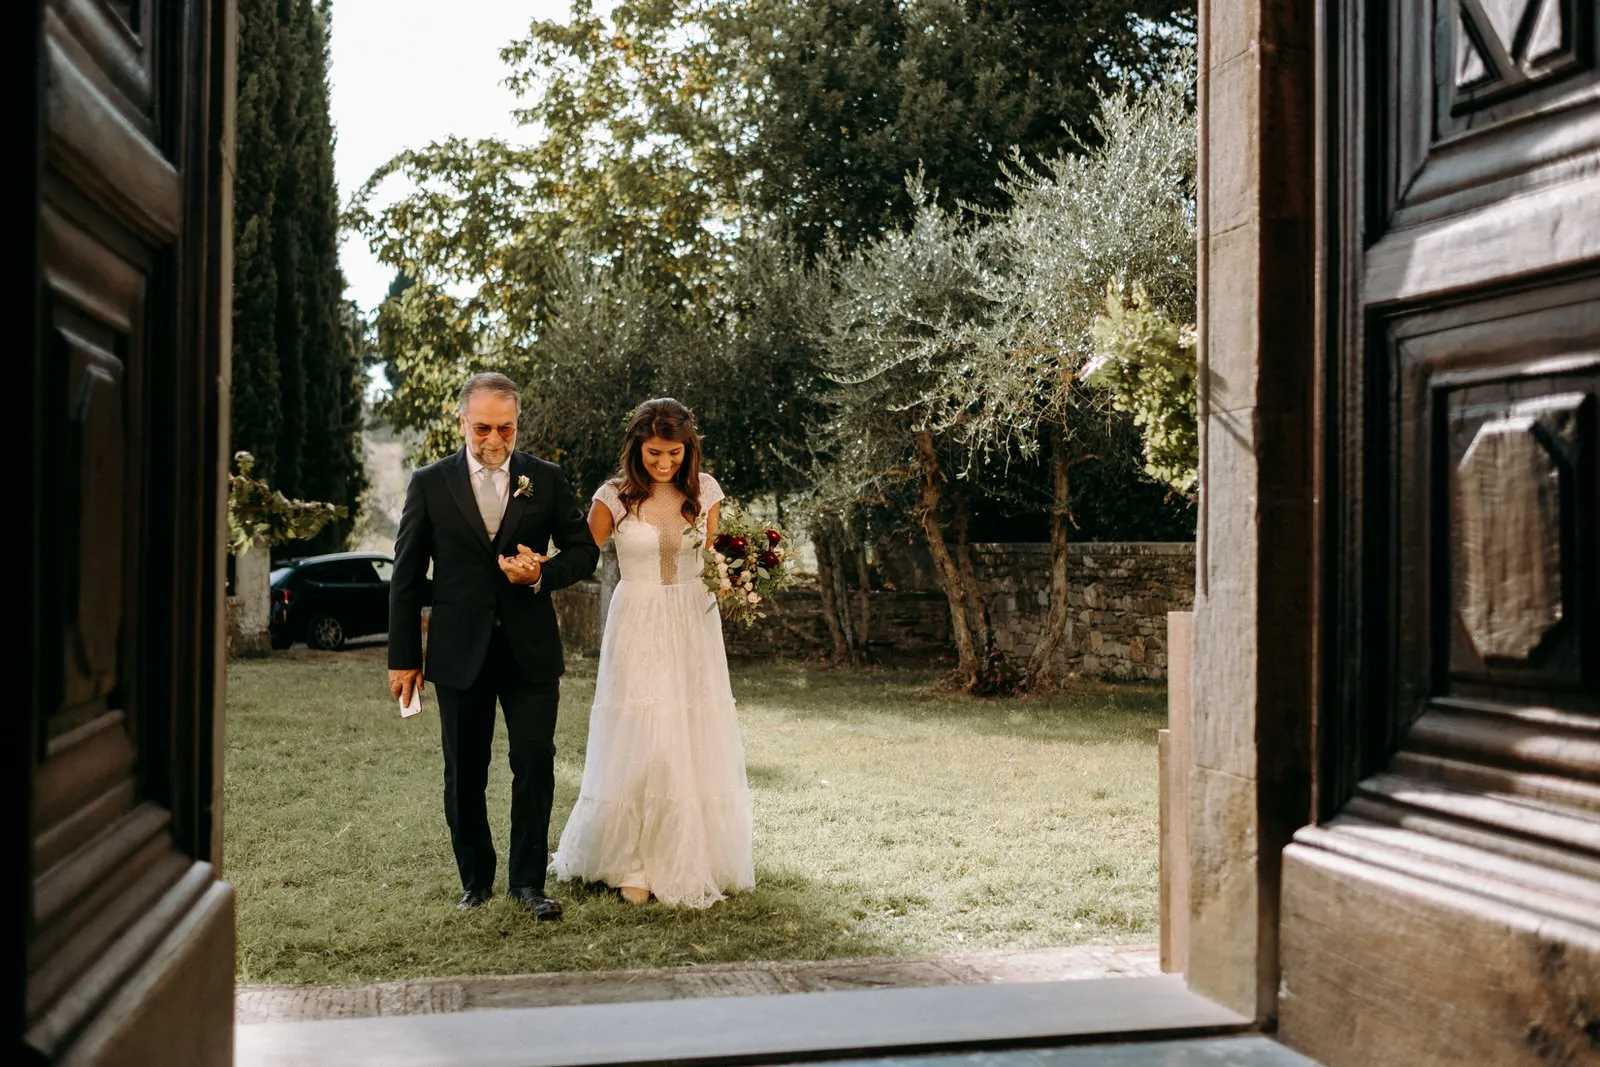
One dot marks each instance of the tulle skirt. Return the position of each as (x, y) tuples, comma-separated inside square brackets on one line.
[(664, 804)]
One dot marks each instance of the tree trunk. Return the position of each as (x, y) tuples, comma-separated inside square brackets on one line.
[(1043, 672), (977, 608), (833, 613), (968, 664), (863, 603), (824, 583)]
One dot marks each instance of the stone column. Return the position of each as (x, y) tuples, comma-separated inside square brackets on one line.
[(1252, 671), (252, 589)]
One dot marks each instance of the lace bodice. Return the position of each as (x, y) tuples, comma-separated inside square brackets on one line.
[(656, 544)]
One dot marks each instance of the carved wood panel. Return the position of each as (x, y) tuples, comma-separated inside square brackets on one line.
[(1459, 785), (1516, 501), (1483, 104), (117, 867), (1501, 48), (1496, 489)]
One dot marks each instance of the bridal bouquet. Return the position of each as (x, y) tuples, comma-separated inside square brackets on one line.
[(747, 563)]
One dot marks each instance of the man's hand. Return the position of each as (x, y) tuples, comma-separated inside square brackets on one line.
[(403, 683), (525, 568)]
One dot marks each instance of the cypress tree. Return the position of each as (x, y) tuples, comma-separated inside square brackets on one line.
[(297, 350), (257, 408), (332, 466), (288, 244)]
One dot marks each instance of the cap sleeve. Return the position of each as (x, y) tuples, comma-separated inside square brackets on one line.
[(607, 494), (710, 491)]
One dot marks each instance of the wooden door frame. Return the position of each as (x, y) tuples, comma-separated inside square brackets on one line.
[(1268, 662), (120, 115), (21, 39)]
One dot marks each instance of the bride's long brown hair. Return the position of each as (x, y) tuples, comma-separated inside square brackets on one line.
[(665, 418)]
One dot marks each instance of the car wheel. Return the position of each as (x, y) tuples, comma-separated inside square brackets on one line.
[(281, 641), (325, 632)]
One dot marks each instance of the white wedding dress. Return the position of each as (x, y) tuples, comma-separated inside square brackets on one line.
[(664, 804)]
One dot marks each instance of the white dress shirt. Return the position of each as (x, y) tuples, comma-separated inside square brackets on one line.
[(500, 478)]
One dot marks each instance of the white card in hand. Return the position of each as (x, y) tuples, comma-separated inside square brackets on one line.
[(408, 710)]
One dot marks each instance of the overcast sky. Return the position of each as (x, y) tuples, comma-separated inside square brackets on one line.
[(407, 72)]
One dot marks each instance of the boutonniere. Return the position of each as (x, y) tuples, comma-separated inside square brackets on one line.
[(524, 486)]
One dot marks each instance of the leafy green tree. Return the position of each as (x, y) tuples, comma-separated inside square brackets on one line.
[(608, 334), (900, 431), (387, 341), (1147, 363), (1121, 209), (854, 95), (665, 130), (672, 138), (750, 366)]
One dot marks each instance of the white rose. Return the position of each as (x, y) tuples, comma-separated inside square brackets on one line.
[(722, 568), (753, 599), (725, 585)]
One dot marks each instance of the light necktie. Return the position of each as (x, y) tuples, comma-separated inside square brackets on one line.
[(489, 505)]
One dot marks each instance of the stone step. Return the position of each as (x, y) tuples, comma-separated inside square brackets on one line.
[(277, 1004)]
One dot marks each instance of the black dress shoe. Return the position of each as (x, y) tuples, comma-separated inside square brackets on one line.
[(542, 907), (472, 898)]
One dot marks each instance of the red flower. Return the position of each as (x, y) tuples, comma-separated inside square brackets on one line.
[(768, 560), (738, 544), (723, 543), (774, 538)]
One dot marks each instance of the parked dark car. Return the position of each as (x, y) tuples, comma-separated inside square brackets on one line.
[(327, 600)]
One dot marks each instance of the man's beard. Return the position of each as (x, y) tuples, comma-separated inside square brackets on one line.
[(493, 455)]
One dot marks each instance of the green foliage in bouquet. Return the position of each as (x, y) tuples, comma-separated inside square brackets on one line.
[(1147, 362), (256, 511), (747, 563)]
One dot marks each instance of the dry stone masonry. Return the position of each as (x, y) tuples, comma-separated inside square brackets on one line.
[(1119, 597), (1118, 594)]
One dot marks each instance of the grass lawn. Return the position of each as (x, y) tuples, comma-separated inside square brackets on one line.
[(889, 821)]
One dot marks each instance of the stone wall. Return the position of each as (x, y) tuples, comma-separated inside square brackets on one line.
[(1120, 594), (578, 614), (901, 627)]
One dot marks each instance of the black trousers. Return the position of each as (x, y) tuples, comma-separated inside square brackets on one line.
[(466, 723)]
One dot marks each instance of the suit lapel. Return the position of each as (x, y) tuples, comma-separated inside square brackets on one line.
[(459, 479), (505, 542)]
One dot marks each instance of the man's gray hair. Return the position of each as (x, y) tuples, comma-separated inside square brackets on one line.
[(492, 383)]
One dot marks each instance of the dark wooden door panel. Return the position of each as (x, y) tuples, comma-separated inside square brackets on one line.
[(127, 414), (1448, 901)]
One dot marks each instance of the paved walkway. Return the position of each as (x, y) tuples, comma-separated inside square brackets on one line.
[(280, 1004)]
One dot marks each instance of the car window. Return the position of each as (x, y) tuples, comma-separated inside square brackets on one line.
[(318, 572), (385, 569), (355, 572), (279, 574)]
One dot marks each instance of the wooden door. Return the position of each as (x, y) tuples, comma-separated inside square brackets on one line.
[(126, 929), (1446, 908)]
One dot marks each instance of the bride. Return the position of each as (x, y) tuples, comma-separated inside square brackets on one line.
[(664, 808)]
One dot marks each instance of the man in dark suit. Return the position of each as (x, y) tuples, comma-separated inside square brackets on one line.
[(493, 633)]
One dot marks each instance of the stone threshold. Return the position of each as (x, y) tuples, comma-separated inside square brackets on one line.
[(285, 1004), (789, 1029)]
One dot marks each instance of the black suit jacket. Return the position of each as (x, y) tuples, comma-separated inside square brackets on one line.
[(441, 524)]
